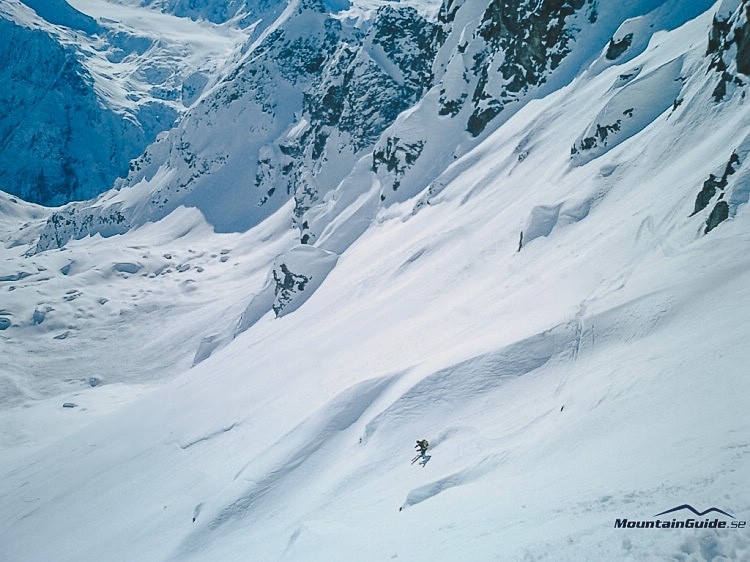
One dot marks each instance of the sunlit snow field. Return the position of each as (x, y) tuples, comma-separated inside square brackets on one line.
[(597, 372)]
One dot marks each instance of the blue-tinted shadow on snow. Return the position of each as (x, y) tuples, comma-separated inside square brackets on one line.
[(424, 460), (629, 111), (276, 469), (465, 381), (459, 478)]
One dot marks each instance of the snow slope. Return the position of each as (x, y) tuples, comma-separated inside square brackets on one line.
[(553, 314)]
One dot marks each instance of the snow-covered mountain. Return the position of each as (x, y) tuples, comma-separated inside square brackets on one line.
[(84, 96), (517, 229)]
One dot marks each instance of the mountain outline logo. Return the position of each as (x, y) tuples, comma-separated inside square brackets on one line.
[(698, 513)]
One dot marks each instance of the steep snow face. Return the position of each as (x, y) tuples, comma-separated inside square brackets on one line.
[(562, 313), (348, 119), (310, 96), (596, 374), (315, 106), (497, 57), (367, 85), (86, 93)]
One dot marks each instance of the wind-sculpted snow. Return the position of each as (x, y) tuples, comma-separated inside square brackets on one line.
[(383, 407), (284, 465), (196, 440), (453, 386), (633, 107), (544, 218), (497, 57), (294, 277), (462, 477)]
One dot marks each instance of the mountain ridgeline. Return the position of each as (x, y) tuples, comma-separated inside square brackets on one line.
[(342, 115), (315, 93)]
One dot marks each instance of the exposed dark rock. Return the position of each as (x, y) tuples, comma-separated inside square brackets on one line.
[(719, 214), (451, 107), (729, 170), (350, 94), (616, 49), (707, 193), (717, 35), (594, 13), (480, 118), (70, 222), (287, 284), (533, 39), (396, 156), (600, 137), (725, 34), (712, 184), (448, 11), (742, 38), (721, 88)]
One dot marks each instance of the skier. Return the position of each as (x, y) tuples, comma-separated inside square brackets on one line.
[(422, 445)]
